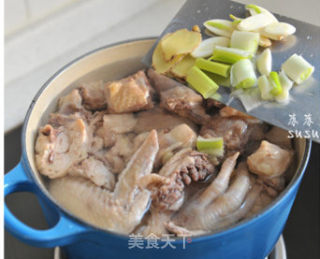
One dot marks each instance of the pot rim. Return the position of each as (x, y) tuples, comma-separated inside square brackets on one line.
[(216, 234)]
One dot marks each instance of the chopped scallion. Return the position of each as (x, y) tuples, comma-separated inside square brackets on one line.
[(243, 75), (229, 55), (265, 88), (250, 98), (264, 62), (220, 80), (236, 20), (255, 22), (286, 84), (212, 146), (200, 82), (255, 8), (213, 67), (297, 68), (275, 84), (245, 40), (206, 47), (220, 27)]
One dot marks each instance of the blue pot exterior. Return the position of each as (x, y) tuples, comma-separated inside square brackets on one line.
[(253, 240)]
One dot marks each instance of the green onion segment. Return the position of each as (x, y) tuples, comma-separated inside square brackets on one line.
[(229, 55), (200, 82), (243, 74), (213, 67)]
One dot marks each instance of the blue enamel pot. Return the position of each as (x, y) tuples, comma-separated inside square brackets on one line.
[(252, 238)]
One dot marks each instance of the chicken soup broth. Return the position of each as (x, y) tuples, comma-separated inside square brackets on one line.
[(146, 154)]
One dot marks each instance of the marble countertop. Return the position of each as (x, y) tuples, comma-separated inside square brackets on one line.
[(34, 54)]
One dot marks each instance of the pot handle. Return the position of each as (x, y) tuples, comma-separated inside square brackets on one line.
[(64, 232)]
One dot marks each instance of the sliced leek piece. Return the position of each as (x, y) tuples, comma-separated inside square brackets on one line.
[(242, 74), (286, 84), (250, 98), (209, 143), (229, 55), (213, 67), (255, 9), (182, 68), (236, 20), (275, 84), (200, 82), (265, 88), (264, 62), (179, 42), (220, 27), (212, 146), (264, 42), (220, 80), (245, 40), (207, 46), (278, 31), (255, 22), (297, 68)]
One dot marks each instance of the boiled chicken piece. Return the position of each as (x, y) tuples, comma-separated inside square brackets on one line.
[(183, 232), (278, 183), (160, 82), (208, 217), (95, 171), (115, 163), (279, 137), (130, 94), (273, 186), (58, 119), (70, 103), (93, 95), (181, 136), (269, 160), (218, 186), (64, 150), (263, 200), (168, 186), (120, 211), (58, 149), (119, 154), (140, 164), (184, 167), (159, 119), (244, 210), (156, 223), (119, 123), (114, 124), (234, 131), (184, 102), (178, 98), (94, 123)]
